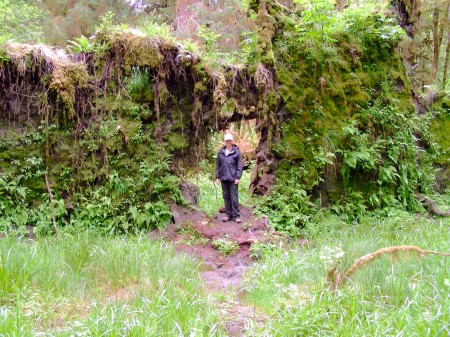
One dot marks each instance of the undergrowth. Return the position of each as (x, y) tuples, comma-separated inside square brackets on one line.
[(88, 285), (406, 295), (123, 204)]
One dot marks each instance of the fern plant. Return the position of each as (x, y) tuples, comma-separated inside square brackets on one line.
[(80, 45)]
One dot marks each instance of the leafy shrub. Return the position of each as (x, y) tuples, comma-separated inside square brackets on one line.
[(127, 204), (382, 145), (288, 208), (80, 45), (121, 204), (152, 29), (21, 21)]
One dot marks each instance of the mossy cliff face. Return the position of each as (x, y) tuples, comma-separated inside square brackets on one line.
[(440, 135), (112, 128), (345, 122), (334, 108)]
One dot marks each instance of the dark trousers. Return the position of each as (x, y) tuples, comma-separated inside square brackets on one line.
[(231, 198)]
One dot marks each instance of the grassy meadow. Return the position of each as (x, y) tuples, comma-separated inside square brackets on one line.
[(400, 295), (87, 285), (91, 285)]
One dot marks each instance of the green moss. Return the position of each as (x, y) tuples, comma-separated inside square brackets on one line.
[(177, 142), (199, 88), (265, 32), (65, 79), (439, 128)]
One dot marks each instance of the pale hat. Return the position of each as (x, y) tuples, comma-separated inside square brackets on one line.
[(228, 136)]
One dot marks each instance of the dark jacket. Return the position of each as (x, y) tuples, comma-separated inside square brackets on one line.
[(229, 168)]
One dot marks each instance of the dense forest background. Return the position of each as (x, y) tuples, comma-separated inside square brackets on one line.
[(55, 22)]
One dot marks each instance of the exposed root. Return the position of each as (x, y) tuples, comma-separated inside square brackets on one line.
[(337, 279), (183, 92), (65, 74), (263, 77), (50, 196)]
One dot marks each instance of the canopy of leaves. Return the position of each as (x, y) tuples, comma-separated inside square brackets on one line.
[(21, 21)]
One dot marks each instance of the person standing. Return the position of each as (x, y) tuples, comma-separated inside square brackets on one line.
[(229, 172)]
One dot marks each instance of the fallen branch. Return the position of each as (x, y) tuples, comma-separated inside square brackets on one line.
[(337, 279), (50, 195), (431, 206)]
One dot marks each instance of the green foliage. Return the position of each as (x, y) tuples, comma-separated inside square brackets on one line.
[(125, 204), (190, 46), (209, 37), (248, 45), (106, 280), (154, 29), (320, 29), (260, 250), (318, 21), (352, 206), (121, 204), (386, 149), (288, 207), (13, 212), (80, 45), (21, 21), (225, 246), (155, 214), (389, 296), (16, 199), (106, 26)]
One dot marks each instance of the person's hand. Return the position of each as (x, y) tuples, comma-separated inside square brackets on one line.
[(217, 180), (236, 182)]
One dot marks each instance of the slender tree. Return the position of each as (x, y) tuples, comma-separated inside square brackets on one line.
[(447, 59), (440, 22)]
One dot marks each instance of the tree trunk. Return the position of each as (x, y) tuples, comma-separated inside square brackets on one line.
[(436, 46), (340, 5), (447, 59), (439, 25)]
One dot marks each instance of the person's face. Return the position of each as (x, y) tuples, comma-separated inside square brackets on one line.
[(228, 143)]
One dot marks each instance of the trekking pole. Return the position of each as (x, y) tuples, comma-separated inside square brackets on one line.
[(215, 188)]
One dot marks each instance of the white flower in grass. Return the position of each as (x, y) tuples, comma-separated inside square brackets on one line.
[(331, 255)]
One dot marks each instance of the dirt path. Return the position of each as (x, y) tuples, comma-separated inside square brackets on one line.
[(196, 234)]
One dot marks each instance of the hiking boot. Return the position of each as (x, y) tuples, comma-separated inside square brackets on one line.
[(238, 220), (226, 219)]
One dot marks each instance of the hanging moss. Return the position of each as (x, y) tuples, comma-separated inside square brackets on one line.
[(65, 79), (265, 33)]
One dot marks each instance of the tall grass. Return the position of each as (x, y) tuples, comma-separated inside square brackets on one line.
[(402, 296), (87, 285)]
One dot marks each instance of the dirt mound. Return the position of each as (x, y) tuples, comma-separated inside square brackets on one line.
[(223, 248)]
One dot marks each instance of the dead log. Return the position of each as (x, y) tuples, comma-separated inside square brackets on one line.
[(337, 279), (431, 206)]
